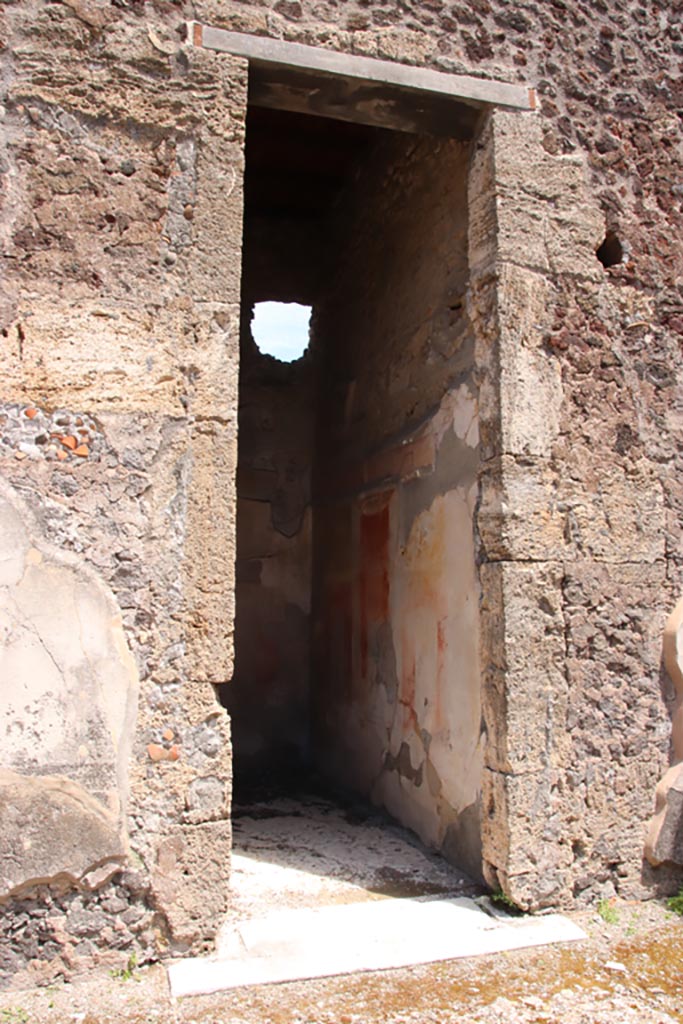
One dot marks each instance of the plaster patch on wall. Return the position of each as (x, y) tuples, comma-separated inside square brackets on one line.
[(69, 698), (434, 609), (664, 841), (456, 459), (53, 831)]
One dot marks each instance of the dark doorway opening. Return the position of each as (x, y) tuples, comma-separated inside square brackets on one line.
[(297, 168), (356, 596)]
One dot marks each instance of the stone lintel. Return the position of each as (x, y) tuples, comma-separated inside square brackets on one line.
[(293, 76)]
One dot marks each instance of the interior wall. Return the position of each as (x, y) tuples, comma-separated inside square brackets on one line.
[(396, 702), (268, 696)]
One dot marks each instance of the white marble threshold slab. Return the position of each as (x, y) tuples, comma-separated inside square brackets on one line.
[(291, 945)]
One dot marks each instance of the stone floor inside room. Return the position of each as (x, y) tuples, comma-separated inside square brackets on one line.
[(309, 848)]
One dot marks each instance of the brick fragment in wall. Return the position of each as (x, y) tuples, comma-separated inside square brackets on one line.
[(59, 435)]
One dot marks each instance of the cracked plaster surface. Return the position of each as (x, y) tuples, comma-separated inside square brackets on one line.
[(68, 704)]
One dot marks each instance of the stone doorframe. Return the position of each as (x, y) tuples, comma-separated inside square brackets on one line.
[(530, 219), (531, 222)]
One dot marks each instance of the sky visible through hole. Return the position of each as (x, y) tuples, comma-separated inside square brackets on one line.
[(280, 329)]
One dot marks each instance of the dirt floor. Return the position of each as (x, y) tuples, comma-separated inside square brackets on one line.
[(629, 971), (314, 852)]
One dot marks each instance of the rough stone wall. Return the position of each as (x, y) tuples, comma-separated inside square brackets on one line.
[(59, 930), (396, 676), (119, 309), (574, 570), (607, 475), (122, 166)]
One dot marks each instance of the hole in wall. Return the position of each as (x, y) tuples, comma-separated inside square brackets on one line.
[(611, 252), (281, 329)]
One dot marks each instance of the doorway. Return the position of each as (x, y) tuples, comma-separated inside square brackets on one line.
[(357, 595)]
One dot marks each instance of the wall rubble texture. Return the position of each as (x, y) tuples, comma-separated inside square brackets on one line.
[(121, 168), (122, 171), (396, 673), (574, 571)]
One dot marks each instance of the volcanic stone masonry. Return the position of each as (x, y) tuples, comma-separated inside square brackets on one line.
[(464, 506)]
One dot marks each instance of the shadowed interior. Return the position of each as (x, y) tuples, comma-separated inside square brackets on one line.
[(357, 594)]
